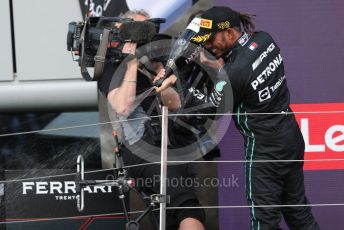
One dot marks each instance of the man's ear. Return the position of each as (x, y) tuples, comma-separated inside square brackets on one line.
[(229, 34), (233, 34)]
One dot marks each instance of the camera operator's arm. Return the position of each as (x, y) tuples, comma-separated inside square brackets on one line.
[(123, 97)]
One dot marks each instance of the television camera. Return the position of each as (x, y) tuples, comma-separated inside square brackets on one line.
[(102, 38)]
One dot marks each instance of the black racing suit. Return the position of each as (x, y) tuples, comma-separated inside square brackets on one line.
[(254, 75)]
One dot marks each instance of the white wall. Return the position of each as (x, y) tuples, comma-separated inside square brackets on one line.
[(6, 69), (40, 36), (169, 9)]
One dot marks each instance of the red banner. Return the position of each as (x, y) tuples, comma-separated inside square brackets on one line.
[(322, 126)]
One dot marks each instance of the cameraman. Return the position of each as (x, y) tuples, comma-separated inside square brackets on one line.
[(121, 84)]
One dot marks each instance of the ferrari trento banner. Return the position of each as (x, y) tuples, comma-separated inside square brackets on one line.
[(55, 197)]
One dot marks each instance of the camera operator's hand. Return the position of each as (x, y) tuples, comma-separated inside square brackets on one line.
[(168, 82), (129, 48)]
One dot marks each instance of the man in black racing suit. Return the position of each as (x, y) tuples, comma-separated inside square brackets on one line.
[(254, 73)]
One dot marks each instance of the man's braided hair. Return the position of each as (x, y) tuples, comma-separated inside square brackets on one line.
[(246, 20)]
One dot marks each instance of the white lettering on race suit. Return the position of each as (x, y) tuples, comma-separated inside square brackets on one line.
[(277, 84), (259, 60), (196, 93), (194, 54), (272, 66), (264, 94)]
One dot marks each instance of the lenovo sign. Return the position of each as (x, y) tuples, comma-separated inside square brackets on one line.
[(322, 126)]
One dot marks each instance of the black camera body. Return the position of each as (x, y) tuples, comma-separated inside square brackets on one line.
[(86, 39), (83, 38), (73, 36)]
